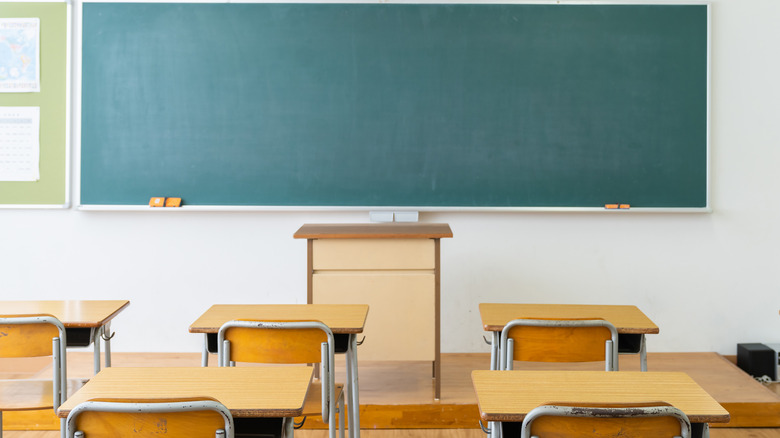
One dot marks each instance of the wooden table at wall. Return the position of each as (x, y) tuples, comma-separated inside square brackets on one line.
[(85, 321), (344, 320), (632, 325), (248, 392), (393, 267), (507, 396)]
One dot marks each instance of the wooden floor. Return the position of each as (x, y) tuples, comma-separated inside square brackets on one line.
[(434, 433), (397, 398)]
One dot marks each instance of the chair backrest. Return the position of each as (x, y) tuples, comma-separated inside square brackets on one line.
[(630, 420), (35, 336), (559, 340), (291, 342), (200, 417), (283, 342)]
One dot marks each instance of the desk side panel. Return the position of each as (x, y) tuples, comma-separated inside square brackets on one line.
[(401, 322)]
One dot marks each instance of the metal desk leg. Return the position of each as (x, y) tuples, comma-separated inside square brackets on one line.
[(495, 429), (353, 389), (495, 426), (288, 427), (107, 343), (96, 348), (348, 357), (204, 358), (494, 350), (643, 353)]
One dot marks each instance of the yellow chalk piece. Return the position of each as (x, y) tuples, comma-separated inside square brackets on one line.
[(625, 206), (611, 206), (157, 202), (173, 202)]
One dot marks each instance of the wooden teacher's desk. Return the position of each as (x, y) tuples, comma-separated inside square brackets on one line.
[(248, 392), (86, 321), (344, 320), (393, 267), (632, 325), (507, 396)]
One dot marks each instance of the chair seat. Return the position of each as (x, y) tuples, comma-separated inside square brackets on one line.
[(313, 403), (22, 395), (28, 394)]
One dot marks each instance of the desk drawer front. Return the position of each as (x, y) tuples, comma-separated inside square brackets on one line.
[(373, 254), (401, 321)]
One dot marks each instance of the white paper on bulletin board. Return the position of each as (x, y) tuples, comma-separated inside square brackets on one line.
[(20, 143), (20, 44)]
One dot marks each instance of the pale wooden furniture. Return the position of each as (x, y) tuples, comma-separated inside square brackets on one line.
[(340, 318), (559, 340), (33, 336), (196, 417), (632, 325), (85, 321), (248, 392), (289, 342), (507, 396), (394, 268), (344, 320), (394, 397)]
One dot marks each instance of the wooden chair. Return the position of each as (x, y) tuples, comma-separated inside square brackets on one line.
[(559, 340), (201, 417), (636, 420), (33, 336), (289, 342)]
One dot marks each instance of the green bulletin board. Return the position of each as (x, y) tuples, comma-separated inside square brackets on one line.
[(51, 189)]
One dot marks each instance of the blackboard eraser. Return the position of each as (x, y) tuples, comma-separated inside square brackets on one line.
[(406, 216), (380, 216), (173, 202), (157, 201)]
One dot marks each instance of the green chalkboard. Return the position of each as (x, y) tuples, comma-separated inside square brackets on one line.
[(51, 189), (418, 105)]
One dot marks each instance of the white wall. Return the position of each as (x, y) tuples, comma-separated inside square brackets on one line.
[(708, 280)]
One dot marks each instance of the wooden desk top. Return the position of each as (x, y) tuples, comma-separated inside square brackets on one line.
[(395, 230), (340, 318), (72, 314), (626, 319), (509, 395), (245, 391)]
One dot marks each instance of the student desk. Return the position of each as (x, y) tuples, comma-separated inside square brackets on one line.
[(86, 322), (248, 392), (507, 396), (346, 321), (632, 325)]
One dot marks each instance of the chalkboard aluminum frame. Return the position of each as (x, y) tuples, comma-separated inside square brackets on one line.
[(77, 26)]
